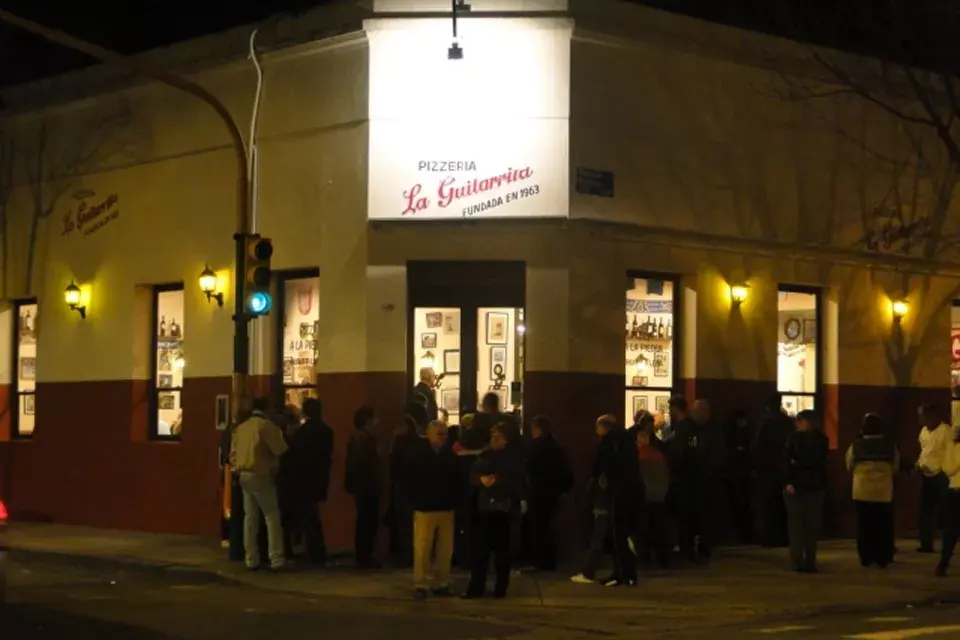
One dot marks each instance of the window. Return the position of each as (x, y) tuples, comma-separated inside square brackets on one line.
[(169, 362), (798, 348), (25, 368), (300, 300), (650, 352)]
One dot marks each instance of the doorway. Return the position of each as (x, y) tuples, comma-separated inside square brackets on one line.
[(466, 322)]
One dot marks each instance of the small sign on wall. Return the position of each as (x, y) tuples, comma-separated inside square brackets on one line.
[(593, 182), (222, 412)]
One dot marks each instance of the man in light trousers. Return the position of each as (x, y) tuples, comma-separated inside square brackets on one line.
[(255, 453)]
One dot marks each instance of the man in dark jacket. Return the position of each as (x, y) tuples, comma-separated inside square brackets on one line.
[(426, 392), (550, 475), (772, 437), (364, 483), (805, 462), (688, 462), (738, 440), (433, 492), (617, 489), (308, 461)]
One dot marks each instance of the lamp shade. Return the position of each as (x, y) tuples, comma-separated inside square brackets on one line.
[(208, 281), (72, 294)]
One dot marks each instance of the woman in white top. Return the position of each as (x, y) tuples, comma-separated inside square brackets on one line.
[(951, 468), (934, 436)]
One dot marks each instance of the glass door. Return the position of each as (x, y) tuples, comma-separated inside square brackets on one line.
[(437, 355), (500, 355)]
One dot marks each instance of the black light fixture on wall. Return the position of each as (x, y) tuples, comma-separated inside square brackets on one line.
[(455, 52)]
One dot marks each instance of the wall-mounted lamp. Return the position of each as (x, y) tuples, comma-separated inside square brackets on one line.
[(180, 362), (208, 284), (428, 361), (72, 296), (640, 364), (738, 294), (899, 308)]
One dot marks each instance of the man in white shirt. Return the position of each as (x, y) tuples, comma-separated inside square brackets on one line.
[(934, 437), (255, 452)]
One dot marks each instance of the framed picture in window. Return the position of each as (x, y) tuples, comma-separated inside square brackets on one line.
[(660, 365), (497, 324), (165, 381), (663, 405), (450, 400), (639, 404), (287, 370), (28, 368), (809, 331), (434, 319), (640, 381), (165, 360), (29, 404), (167, 402), (451, 361), (428, 341), (451, 323), (498, 357)]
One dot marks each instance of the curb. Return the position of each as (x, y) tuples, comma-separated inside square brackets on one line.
[(181, 574)]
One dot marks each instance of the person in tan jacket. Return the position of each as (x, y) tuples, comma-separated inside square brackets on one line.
[(873, 459), (255, 452)]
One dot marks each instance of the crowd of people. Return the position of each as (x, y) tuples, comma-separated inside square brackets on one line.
[(478, 491)]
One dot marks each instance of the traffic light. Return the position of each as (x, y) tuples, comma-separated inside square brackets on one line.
[(256, 290)]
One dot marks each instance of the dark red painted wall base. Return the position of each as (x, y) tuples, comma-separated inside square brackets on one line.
[(91, 463)]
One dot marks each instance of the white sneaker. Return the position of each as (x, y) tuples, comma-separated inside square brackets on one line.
[(581, 579)]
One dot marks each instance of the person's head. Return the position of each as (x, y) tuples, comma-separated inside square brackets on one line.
[(437, 434), (646, 425), (261, 404), (312, 409), (701, 411), (806, 420), (678, 409), (364, 417), (501, 435), (466, 422), (929, 416), (605, 424), (541, 427), (491, 403), (427, 376), (444, 415), (873, 425)]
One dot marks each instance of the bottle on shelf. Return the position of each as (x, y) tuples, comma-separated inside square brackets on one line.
[(174, 328), (635, 329), (669, 330), (651, 327), (661, 332), (163, 326)]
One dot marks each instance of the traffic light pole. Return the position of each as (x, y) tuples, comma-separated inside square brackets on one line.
[(241, 338)]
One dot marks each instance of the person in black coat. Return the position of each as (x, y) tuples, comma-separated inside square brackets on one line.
[(307, 464), (364, 482), (550, 475), (500, 477), (805, 462), (772, 437), (737, 475)]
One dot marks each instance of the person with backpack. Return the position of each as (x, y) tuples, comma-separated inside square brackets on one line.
[(550, 476)]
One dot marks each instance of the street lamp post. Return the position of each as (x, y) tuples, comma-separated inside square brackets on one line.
[(241, 341)]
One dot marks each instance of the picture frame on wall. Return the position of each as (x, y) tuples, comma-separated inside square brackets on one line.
[(451, 361), (29, 404), (165, 381), (434, 319), (428, 341), (640, 381), (28, 368), (450, 400), (288, 370), (660, 365), (497, 325), (451, 323), (498, 356), (166, 402), (165, 360), (663, 405), (639, 404), (809, 333)]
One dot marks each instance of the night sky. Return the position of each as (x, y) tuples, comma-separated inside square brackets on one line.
[(926, 36)]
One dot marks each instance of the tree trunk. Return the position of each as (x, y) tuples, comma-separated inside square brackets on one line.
[(31, 254)]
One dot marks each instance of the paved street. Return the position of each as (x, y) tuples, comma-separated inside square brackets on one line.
[(57, 602)]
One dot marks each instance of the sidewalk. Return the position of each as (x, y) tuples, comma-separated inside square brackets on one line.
[(742, 584)]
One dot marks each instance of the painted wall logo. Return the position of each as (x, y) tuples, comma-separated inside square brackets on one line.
[(461, 188), (90, 213)]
